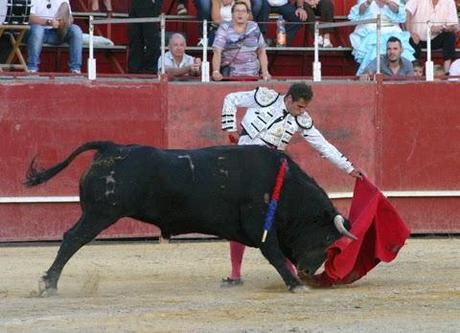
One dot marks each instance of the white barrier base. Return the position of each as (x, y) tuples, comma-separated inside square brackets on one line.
[(316, 71), (205, 71), (91, 69), (429, 70)]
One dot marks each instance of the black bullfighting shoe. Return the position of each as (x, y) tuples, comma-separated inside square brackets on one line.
[(228, 282)]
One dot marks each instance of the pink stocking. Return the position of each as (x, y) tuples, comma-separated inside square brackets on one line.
[(236, 257)]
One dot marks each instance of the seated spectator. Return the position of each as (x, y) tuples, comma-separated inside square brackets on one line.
[(325, 10), (259, 8), (182, 8), (95, 5), (292, 14), (455, 70), (239, 47), (51, 22), (5, 48), (392, 63), (438, 71), (177, 63), (443, 14), (364, 37), (418, 68), (203, 12)]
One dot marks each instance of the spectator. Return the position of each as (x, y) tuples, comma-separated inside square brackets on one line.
[(293, 15), (443, 14), (182, 8), (438, 71), (51, 23), (392, 63), (259, 8), (454, 70), (217, 11), (325, 10), (5, 48), (221, 11), (239, 47), (203, 11), (144, 39), (95, 5), (364, 40), (177, 63), (418, 68)]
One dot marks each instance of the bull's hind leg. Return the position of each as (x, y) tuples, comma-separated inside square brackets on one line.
[(271, 250), (84, 231)]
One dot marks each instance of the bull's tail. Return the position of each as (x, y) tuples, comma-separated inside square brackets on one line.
[(35, 176)]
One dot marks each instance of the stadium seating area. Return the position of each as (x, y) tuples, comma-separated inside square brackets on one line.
[(290, 61)]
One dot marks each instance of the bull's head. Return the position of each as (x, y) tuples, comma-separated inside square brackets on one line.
[(314, 254)]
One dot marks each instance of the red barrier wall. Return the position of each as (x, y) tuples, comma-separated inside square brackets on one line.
[(53, 118), (334, 107), (402, 143), (419, 133)]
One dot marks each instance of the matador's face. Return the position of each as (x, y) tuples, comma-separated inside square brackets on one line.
[(296, 107)]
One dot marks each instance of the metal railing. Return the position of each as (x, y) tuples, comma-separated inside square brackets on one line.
[(205, 63), (93, 22), (316, 62), (429, 66)]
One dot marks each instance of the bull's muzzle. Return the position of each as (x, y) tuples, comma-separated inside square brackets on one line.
[(338, 222)]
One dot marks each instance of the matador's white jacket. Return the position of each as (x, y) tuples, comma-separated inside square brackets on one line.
[(267, 122)]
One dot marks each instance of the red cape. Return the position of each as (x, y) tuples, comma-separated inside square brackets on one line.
[(381, 233)]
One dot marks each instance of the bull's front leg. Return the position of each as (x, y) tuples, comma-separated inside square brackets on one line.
[(271, 250)]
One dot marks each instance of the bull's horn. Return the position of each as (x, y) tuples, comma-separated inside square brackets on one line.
[(338, 222)]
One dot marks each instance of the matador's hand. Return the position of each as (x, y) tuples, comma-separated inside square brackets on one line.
[(357, 173)]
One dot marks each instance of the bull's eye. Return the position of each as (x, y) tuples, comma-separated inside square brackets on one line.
[(329, 238)]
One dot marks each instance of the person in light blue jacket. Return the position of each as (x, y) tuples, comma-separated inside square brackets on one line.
[(364, 38)]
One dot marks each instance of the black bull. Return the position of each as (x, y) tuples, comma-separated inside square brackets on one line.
[(222, 191)]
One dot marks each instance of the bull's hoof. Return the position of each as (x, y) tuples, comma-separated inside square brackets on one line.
[(48, 292), (44, 288), (299, 289)]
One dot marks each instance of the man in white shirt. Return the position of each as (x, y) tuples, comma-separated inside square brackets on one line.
[(443, 15), (271, 120), (177, 63), (51, 23)]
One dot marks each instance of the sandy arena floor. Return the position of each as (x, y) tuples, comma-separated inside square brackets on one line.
[(150, 287)]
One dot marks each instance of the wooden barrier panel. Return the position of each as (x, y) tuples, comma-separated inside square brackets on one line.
[(51, 119), (402, 134)]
